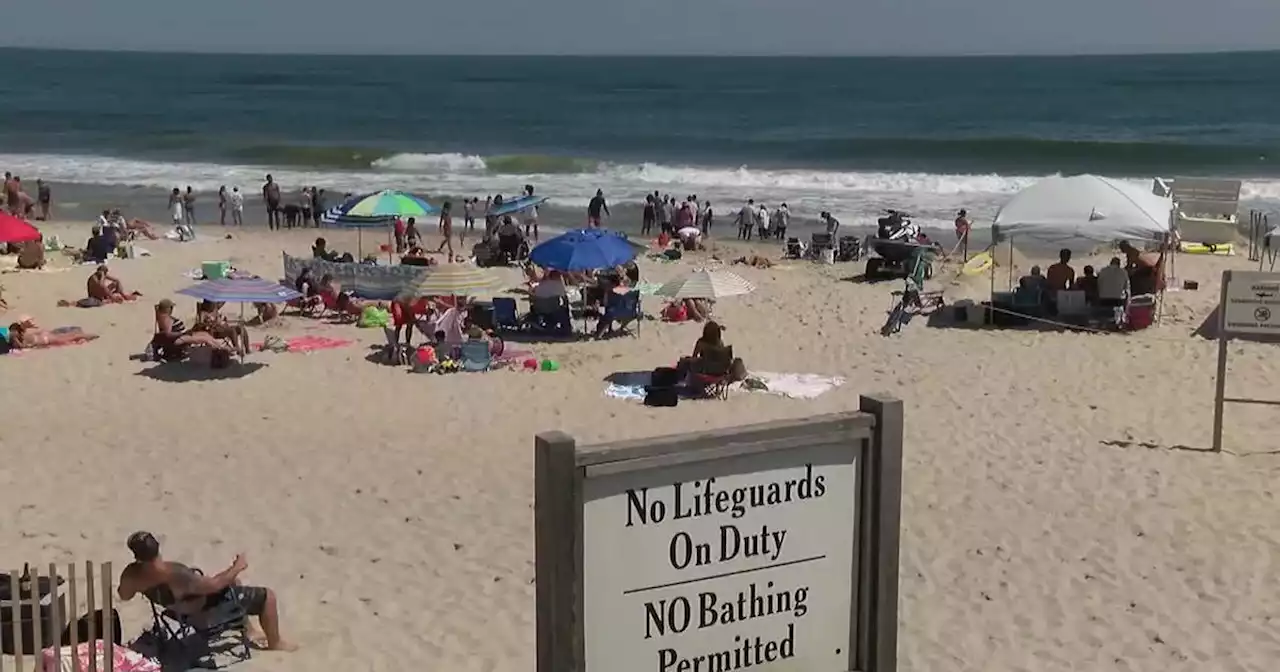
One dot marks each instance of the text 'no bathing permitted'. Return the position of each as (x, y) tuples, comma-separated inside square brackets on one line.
[(743, 563)]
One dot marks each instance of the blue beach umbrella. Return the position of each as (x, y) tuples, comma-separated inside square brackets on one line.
[(583, 250), (241, 290)]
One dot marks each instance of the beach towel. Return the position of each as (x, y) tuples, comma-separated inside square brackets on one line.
[(629, 392), (794, 385), (125, 659), (311, 343)]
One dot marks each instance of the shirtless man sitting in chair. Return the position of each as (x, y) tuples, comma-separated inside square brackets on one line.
[(190, 592)]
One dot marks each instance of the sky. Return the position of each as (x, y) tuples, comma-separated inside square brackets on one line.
[(645, 27)]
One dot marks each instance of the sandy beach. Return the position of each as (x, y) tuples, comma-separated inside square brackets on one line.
[(1058, 512)]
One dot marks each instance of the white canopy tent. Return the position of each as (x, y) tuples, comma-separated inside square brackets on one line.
[(1084, 206)]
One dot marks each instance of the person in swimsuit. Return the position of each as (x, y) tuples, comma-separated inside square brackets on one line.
[(25, 335), (45, 197), (106, 288), (309, 289), (649, 216), (209, 318), (188, 591), (172, 334), (222, 205), (595, 208), (271, 197), (13, 194), (189, 207), (446, 229)]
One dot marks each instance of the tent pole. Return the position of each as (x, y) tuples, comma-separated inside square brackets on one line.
[(1010, 263)]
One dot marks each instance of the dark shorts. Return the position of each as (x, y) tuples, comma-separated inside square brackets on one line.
[(252, 598), (273, 206)]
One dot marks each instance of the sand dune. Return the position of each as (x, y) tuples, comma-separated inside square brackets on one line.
[(1051, 519)]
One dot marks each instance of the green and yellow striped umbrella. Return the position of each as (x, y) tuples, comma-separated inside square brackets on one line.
[(374, 210), (452, 280)]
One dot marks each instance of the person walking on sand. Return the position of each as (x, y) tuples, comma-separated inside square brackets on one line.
[(446, 229), (595, 208), (271, 198), (222, 205), (237, 207), (45, 197), (189, 207)]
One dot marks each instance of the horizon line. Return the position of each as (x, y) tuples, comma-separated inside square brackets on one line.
[(690, 55)]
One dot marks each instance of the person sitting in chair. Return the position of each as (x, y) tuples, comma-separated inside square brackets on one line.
[(187, 591), (711, 357), (510, 239)]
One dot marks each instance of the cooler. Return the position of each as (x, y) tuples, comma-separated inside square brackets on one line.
[(1140, 312), (215, 270), (25, 628)]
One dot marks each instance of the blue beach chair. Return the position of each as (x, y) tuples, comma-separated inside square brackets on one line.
[(475, 356)]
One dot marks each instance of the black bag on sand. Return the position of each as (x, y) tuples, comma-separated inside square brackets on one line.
[(663, 387)]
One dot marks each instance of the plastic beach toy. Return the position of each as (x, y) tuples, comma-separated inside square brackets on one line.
[(550, 365)]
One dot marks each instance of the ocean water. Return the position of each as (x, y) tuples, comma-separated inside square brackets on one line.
[(850, 135)]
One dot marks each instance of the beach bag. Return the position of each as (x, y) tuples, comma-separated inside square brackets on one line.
[(374, 317), (675, 312), (219, 359)]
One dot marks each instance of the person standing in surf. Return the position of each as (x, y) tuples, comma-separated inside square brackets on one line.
[(271, 198), (962, 232), (222, 205), (707, 215), (304, 202), (446, 229), (189, 207), (747, 220), (649, 216), (317, 204), (595, 208), (45, 198), (237, 207)]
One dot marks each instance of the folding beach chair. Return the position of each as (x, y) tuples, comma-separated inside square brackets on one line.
[(506, 314), (712, 375), (192, 637), (623, 310), (475, 356)]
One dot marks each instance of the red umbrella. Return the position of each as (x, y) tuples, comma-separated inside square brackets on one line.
[(14, 230)]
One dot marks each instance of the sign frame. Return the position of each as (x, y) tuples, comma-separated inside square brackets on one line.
[(1225, 334), (873, 434)]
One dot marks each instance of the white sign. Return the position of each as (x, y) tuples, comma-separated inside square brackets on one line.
[(715, 566), (1252, 303)]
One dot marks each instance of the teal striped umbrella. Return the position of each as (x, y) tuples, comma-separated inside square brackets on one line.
[(376, 209)]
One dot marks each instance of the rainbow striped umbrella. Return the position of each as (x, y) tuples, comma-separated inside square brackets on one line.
[(376, 210)]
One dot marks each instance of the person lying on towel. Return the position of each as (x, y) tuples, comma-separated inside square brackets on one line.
[(26, 336), (188, 591)]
